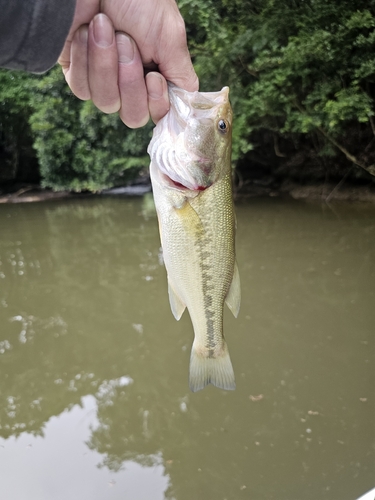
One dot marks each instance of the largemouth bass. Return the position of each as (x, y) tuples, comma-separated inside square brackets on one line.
[(191, 178)]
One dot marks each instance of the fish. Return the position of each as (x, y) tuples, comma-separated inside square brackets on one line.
[(191, 178)]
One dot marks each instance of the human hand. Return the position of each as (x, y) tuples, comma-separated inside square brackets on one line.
[(108, 67)]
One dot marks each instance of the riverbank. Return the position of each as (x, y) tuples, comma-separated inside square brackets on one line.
[(32, 193), (325, 192)]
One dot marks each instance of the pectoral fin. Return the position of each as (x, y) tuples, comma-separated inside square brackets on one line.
[(190, 219), (233, 298), (177, 306)]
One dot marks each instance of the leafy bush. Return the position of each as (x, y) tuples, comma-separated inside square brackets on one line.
[(302, 78), (16, 151), (78, 147), (300, 71)]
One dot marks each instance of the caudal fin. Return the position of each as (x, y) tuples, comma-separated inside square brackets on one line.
[(206, 370)]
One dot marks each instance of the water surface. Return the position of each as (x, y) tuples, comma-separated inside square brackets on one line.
[(94, 400)]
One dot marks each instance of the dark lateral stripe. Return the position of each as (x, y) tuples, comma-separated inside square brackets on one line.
[(202, 242)]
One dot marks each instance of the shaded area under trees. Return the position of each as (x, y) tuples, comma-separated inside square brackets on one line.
[(302, 79)]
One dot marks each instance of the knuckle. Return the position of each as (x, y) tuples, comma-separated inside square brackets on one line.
[(180, 30)]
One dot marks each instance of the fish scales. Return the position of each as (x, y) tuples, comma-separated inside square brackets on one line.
[(197, 227)]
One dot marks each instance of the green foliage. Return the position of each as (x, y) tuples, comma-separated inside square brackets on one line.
[(15, 110), (80, 148), (77, 147), (295, 68), (301, 73)]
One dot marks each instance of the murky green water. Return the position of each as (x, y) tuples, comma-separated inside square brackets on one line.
[(93, 367)]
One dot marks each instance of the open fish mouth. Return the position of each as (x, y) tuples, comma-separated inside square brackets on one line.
[(183, 145), (174, 184), (177, 176), (190, 105)]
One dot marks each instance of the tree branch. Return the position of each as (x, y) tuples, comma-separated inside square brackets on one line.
[(372, 124), (276, 147), (370, 169)]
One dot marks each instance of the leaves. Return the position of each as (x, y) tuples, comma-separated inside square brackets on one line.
[(80, 148), (294, 67), (299, 71)]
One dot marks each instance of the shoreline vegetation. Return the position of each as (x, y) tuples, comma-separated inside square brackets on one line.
[(317, 192), (302, 86)]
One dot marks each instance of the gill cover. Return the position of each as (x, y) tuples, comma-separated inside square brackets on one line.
[(190, 143)]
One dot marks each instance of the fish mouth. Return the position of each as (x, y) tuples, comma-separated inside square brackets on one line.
[(181, 146), (173, 184), (187, 180), (186, 105)]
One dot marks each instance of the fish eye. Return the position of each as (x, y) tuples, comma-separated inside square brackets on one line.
[(222, 126)]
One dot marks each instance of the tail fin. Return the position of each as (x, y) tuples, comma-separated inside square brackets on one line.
[(216, 370)]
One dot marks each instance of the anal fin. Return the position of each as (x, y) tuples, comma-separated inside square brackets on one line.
[(177, 306), (233, 298)]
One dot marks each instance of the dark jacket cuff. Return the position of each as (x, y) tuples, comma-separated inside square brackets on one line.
[(33, 32)]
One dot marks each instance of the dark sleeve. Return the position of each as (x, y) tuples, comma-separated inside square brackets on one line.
[(33, 32)]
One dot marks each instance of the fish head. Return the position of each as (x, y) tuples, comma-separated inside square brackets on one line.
[(192, 144)]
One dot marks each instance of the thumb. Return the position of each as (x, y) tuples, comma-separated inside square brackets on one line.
[(180, 71), (174, 59)]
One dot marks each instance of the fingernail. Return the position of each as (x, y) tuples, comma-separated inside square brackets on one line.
[(83, 34), (155, 86), (103, 31), (125, 48)]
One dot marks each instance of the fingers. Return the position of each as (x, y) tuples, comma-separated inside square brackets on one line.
[(77, 75), (159, 31), (157, 90), (134, 104), (92, 72), (174, 60), (103, 65), (107, 68)]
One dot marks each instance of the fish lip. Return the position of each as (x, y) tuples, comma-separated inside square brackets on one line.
[(197, 100), (194, 171), (185, 105), (179, 104), (202, 159), (177, 186)]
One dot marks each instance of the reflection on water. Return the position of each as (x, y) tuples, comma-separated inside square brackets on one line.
[(59, 465), (93, 366)]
